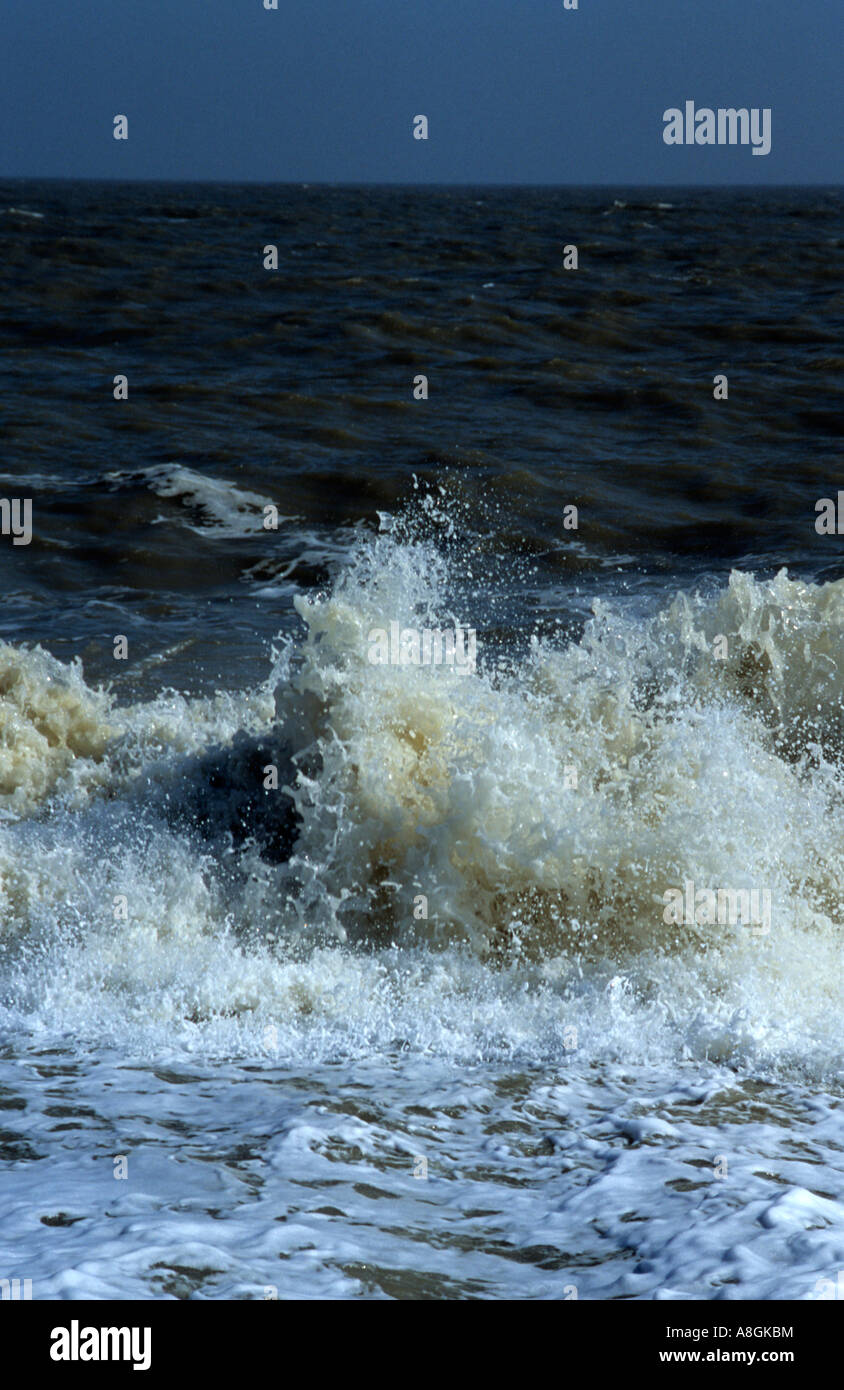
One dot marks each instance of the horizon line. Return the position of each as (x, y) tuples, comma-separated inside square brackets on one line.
[(392, 183)]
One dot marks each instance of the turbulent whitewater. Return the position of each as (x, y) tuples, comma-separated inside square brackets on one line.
[(440, 937), (359, 981)]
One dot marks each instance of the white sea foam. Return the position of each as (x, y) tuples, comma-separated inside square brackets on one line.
[(225, 510), (23, 212), (279, 928), (410, 781)]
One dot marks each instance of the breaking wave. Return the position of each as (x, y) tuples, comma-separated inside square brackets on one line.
[(355, 856)]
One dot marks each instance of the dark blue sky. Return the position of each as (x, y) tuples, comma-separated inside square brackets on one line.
[(325, 90)]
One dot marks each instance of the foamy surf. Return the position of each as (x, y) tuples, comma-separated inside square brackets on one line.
[(384, 915), (515, 829)]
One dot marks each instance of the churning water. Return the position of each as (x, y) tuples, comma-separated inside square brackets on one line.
[(414, 1021)]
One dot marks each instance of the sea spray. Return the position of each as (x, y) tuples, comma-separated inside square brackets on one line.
[(295, 907)]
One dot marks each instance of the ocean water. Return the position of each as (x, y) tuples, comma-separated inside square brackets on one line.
[(415, 1022)]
